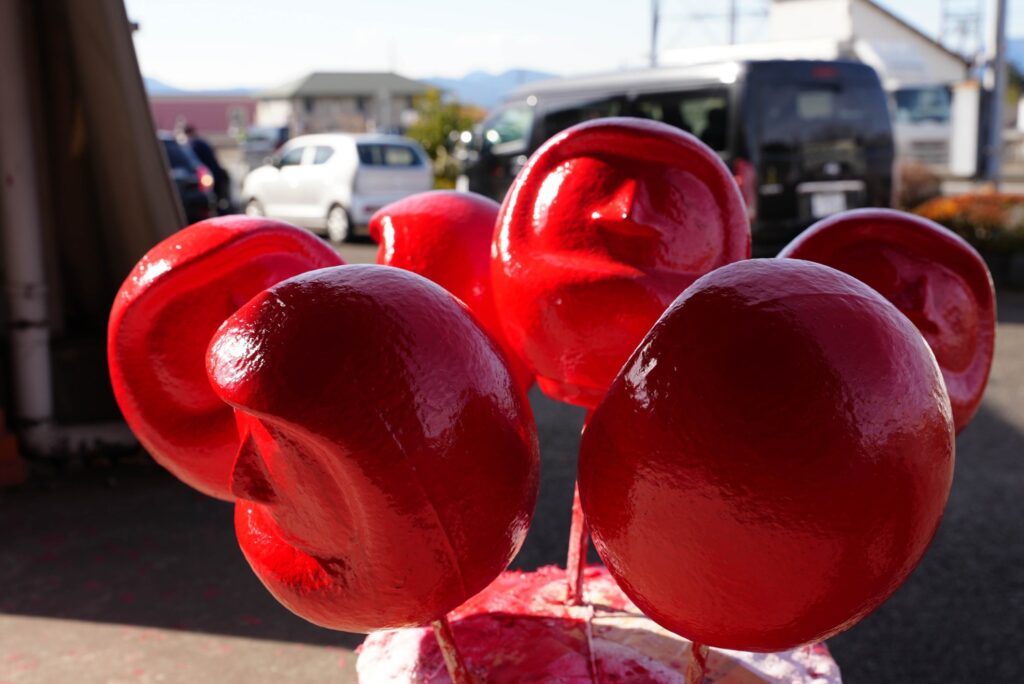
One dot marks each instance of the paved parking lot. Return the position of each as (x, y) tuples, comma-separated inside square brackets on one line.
[(118, 573)]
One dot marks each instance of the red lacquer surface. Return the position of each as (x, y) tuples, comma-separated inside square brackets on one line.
[(772, 461), (445, 236), (932, 275), (608, 222), (161, 323), (388, 468)]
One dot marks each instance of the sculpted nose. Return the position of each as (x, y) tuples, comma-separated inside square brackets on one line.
[(250, 478), (623, 212), (619, 206)]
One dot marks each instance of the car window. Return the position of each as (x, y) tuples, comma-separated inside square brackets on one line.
[(931, 103), (703, 113), (177, 157), (379, 154), (322, 154), (797, 114), (561, 119), (508, 125), (293, 157)]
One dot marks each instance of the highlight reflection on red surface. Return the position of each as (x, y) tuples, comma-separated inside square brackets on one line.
[(608, 222), (161, 323), (772, 461), (389, 466), (932, 275)]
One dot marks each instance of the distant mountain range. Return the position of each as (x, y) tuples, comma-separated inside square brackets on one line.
[(477, 87), (487, 90), (157, 87)]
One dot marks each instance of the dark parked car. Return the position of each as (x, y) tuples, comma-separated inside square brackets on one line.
[(193, 180), (804, 139)]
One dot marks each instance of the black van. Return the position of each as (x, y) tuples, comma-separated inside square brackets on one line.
[(804, 139)]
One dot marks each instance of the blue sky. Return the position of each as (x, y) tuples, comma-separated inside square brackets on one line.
[(241, 43)]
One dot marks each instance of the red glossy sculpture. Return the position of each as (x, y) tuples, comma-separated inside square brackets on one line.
[(772, 461), (933, 276), (445, 236), (389, 466), (161, 323), (608, 222)]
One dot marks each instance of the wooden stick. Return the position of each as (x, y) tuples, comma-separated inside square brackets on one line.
[(697, 668), (452, 658), (579, 540)]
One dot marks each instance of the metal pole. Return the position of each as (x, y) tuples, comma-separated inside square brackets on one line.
[(22, 234), (654, 33), (998, 65)]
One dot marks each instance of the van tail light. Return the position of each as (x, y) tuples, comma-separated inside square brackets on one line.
[(205, 178), (746, 178)]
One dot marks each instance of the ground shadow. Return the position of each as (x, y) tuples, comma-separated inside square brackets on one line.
[(130, 544), (960, 616), (127, 543)]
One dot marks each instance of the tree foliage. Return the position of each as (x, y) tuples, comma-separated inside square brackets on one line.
[(439, 121)]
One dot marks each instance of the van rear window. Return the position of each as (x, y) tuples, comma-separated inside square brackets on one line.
[(796, 114), (378, 154)]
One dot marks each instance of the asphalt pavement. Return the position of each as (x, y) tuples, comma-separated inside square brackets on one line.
[(116, 572)]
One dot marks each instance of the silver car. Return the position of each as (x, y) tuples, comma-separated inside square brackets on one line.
[(333, 183)]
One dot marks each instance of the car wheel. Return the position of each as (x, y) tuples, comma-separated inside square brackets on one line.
[(254, 208), (338, 224)]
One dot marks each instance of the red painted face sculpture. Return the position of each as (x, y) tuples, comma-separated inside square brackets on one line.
[(933, 276), (772, 461), (161, 323), (445, 236), (389, 466), (607, 223)]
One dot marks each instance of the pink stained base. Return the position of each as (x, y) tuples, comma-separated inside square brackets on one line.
[(520, 629)]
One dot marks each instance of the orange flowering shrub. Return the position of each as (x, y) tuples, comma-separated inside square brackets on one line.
[(992, 221)]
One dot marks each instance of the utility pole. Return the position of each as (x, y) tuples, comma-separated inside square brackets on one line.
[(732, 22), (654, 32), (997, 64)]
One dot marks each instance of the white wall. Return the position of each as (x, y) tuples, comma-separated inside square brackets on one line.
[(902, 57), (809, 20), (273, 113)]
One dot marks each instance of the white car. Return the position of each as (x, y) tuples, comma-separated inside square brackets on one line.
[(333, 182)]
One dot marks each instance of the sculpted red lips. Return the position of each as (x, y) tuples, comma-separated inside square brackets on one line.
[(935, 278), (606, 224), (388, 468), (161, 323), (772, 461), (446, 236)]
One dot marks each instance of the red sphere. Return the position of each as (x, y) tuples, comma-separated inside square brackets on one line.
[(772, 461), (608, 222), (161, 323), (389, 466), (445, 236), (933, 276)]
